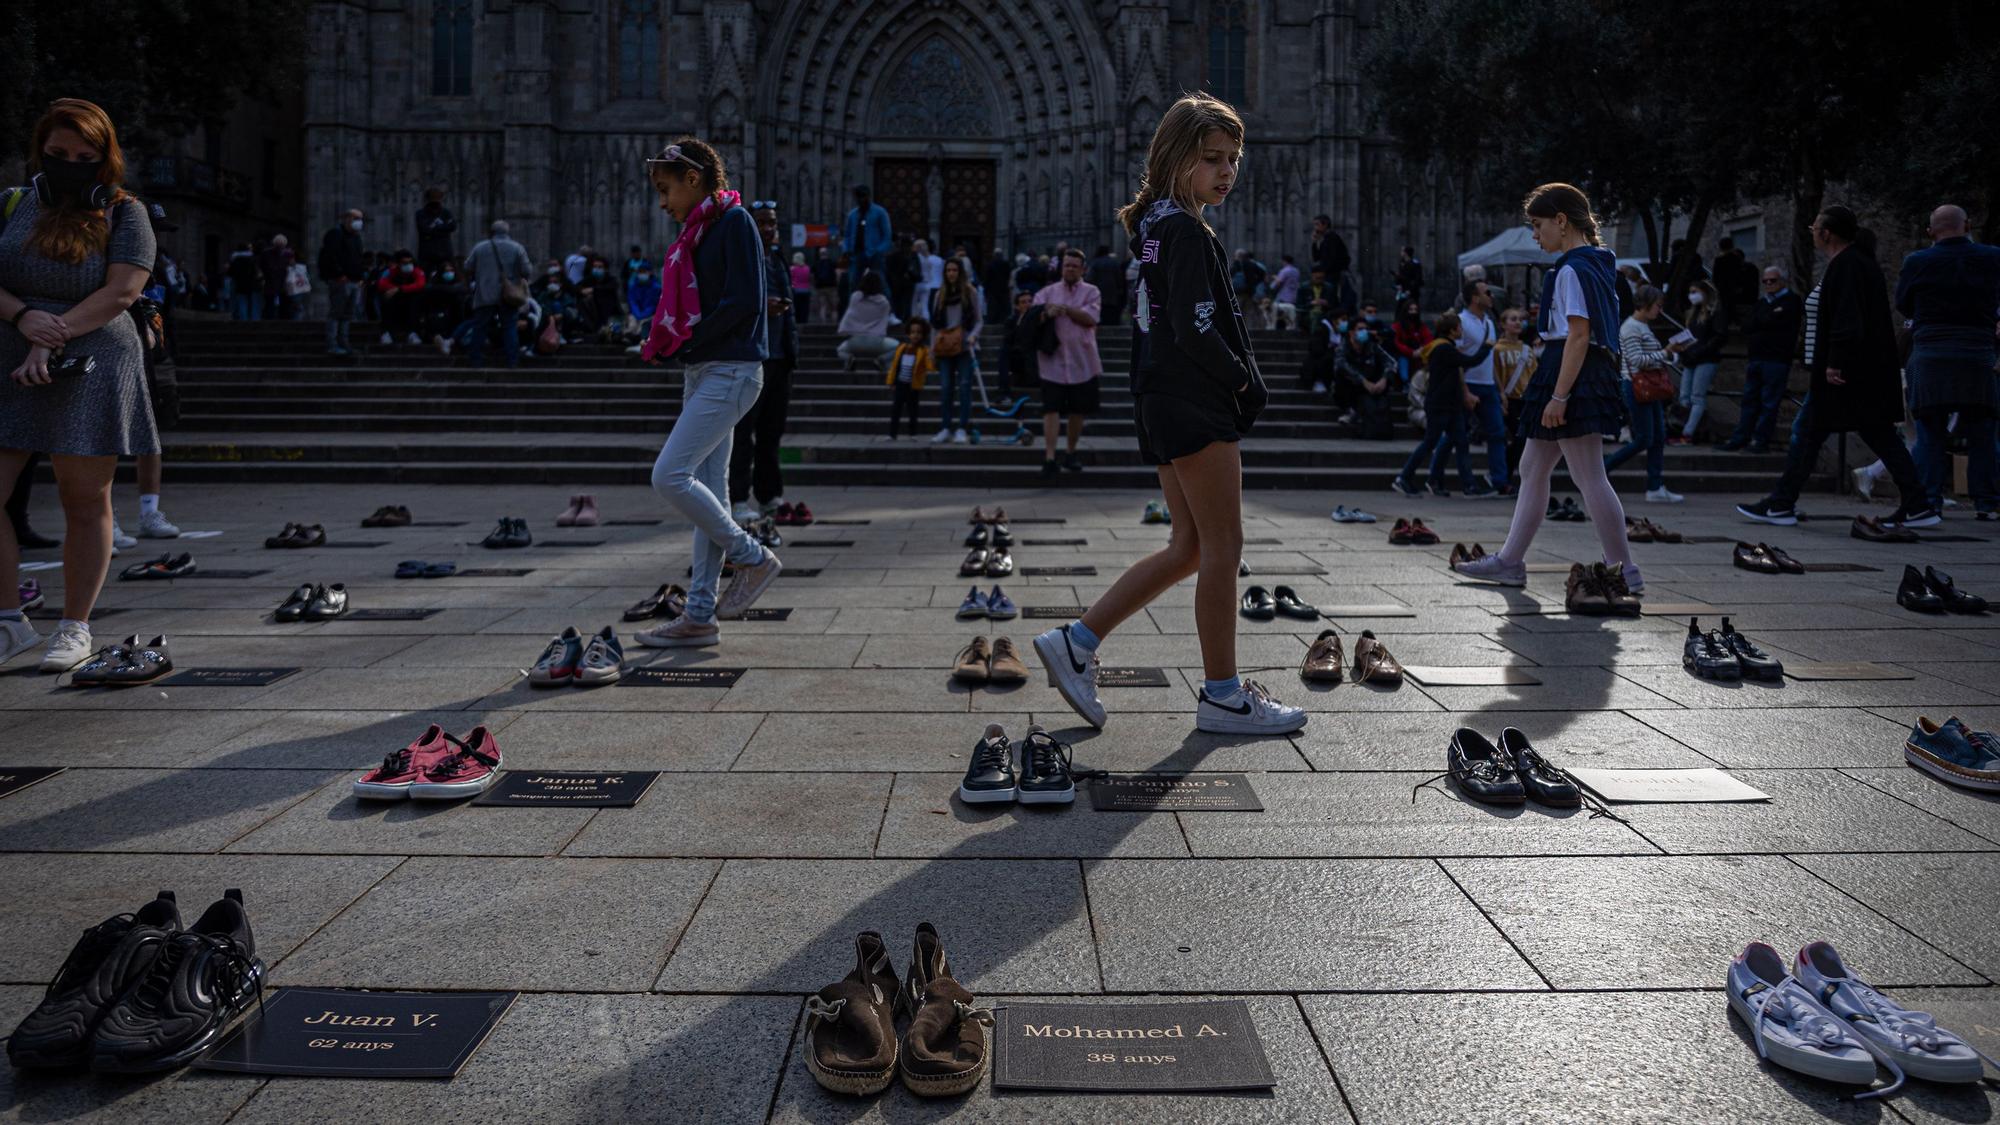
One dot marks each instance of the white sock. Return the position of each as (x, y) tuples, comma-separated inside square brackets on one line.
[(12, 615), (69, 621), (149, 503)]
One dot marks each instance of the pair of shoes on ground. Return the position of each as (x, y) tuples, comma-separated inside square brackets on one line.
[(581, 512), (993, 533), (1460, 553), (1156, 512), (1823, 1020), (418, 568), (1954, 752), (69, 645), (1727, 655), (1046, 776), (1765, 559), (765, 531), (1770, 511), (1344, 514), (996, 562), (1508, 774), (1646, 531), (789, 514), (981, 515), (1601, 590), (125, 664), (665, 603), (297, 535), (947, 434), (853, 1047), (509, 532), (388, 515), (989, 662), (996, 606), (310, 602), (1933, 591), (436, 767), (1325, 664), (571, 659), (413, 340), (1411, 533), (1072, 671), (1259, 604), (140, 994), (1565, 511), (164, 567)]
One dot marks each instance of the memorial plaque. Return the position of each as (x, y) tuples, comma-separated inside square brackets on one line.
[(839, 523), (227, 677), (496, 572), (1037, 519), (542, 789), (1955, 539), (1059, 571), (1054, 542), (1174, 792), (1367, 611), (387, 614), (1263, 542), (198, 535), (784, 614), (436, 523), (570, 543), (199, 573), (819, 543), (799, 572), (1437, 676), (1697, 786), (343, 1033), (1855, 670), (1705, 539), (681, 677), (1142, 1048), (13, 779), (1052, 612), (355, 545), (1840, 568), (1131, 677)]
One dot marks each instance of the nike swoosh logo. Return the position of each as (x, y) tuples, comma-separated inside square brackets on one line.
[(1243, 710), (1071, 652)]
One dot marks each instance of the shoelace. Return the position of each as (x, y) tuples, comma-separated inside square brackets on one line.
[(993, 754), (461, 760), (234, 967), (825, 1011), (967, 1013), (92, 945), (396, 763), (1048, 755), (553, 652), (1796, 1008)]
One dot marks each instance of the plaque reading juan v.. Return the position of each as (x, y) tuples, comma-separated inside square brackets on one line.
[(338, 1033), (1198, 1045)]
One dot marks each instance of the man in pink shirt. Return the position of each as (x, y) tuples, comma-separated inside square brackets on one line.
[(1069, 374)]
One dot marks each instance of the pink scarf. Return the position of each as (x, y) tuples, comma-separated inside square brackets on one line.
[(679, 309)]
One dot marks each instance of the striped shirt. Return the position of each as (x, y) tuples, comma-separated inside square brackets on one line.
[(1812, 324)]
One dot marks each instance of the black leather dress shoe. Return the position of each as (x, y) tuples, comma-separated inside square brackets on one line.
[(1481, 771), (981, 535), (1259, 605), (1002, 535), (1915, 594), (1755, 662), (1288, 603), (1544, 784), (974, 565), (294, 607), (328, 603), (1955, 599)]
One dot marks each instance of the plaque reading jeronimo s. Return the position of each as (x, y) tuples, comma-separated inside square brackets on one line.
[(1198, 1045), (341, 1033), (1174, 792)]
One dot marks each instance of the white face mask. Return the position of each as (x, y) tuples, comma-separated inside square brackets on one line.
[(1697, 297), (355, 226)]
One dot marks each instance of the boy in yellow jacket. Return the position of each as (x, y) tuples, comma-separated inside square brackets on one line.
[(909, 365)]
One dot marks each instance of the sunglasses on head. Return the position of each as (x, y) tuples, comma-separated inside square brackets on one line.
[(764, 205), (672, 154)]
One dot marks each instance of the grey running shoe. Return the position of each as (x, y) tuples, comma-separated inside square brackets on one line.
[(1494, 569)]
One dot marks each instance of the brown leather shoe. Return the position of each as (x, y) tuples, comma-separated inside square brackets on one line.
[(1372, 662), (945, 1048), (1785, 562), (1005, 666), (1870, 529), (1661, 534), (1638, 530), (1583, 591), (972, 665), (1324, 662), (851, 1024), (1755, 557), (1617, 595)]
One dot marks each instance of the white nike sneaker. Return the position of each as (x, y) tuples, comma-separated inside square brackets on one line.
[(153, 525), (960, 437), (69, 647), (1922, 1048), (1075, 678), (119, 540), (16, 637), (1662, 495), (1252, 710)]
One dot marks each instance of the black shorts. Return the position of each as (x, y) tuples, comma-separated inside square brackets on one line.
[(1170, 426), (1070, 398)]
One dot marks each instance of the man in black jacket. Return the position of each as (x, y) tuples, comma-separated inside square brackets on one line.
[(753, 460), (435, 226), (902, 269), (1329, 252), (1409, 278), (1108, 274), (1772, 340), (342, 266)]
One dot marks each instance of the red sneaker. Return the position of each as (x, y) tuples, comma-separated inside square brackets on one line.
[(1421, 535), (801, 515), (784, 514), (392, 780), (470, 769)]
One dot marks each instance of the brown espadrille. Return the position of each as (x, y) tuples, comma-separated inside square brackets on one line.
[(851, 1024), (945, 1049)]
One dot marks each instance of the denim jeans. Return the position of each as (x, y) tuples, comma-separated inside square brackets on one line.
[(247, 306), (1443, 430), (1976, 426), (341, 297), (484, 319), (1694, 394), (1491, 415), (955, 381), (1649, 433), (1764, 385), (692, 472)]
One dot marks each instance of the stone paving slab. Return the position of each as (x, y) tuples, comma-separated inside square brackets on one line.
[(88, 1099), (1606, 739), (121, 738), (625, 740), (1809, 811), (869, 742), (1684, 689), (122, 810), (333, 821), (1804, 737), (490, 922), (1976, 812), (926, 818), (1675, 921), (1924, 894), (1272, 925), (1577, 689), (346, 740), (743, 814)]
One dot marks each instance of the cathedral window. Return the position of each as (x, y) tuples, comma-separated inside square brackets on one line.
[(637, 48), (451, 47), (1228, 50)]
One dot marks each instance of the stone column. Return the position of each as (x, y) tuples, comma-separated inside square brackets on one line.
[(337, 100), (528, 139), (1335, 170)]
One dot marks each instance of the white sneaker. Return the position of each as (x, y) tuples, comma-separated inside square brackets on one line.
[(444, 345), (1492, 568), (1661, 495), (681, 633), (1319, 388), (1787, 1023), (1864, 483), (68, 647), (414, 340), (960, 437), (16, 637), (748, 585), (1922, 1048), (153, 525), (1251, 710), (941, 437), (743, 513), (387, 339), (1075, 679), (119, 540)]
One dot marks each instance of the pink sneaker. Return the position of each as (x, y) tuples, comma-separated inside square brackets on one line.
[(586, 511), (568, 517), (470, 769), (392, 780)]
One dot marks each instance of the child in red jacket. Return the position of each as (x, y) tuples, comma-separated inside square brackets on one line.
[(399, 290)]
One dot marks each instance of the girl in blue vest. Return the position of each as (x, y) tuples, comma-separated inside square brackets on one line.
[(1573, 402)]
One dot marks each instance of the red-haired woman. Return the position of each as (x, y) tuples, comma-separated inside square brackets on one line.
[(73, 257)]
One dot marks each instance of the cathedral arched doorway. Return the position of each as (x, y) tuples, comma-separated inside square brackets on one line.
[(941, 103)]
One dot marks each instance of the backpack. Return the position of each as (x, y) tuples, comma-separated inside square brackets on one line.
[(14, 197)]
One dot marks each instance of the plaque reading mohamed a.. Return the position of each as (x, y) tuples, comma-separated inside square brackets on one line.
[(1197, 1045), (341, 1033)]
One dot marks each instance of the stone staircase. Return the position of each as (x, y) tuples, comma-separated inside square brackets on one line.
[(262, 401)]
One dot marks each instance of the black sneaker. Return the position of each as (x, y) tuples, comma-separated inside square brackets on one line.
[(1433, 490), (989, 780), (201, 980), (1755, 662), (1707, 656), (1924, 516), (1045, 770), (1480, 490), (1768, 511), (1051, 468), (1073, 463), (105, 961)]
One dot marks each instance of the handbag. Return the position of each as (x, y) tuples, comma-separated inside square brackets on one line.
[(950, 342), (1653, 384), (550, 340)]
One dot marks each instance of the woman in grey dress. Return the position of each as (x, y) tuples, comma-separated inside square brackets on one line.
[(74, 254)]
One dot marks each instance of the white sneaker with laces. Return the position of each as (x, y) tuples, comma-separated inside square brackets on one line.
[(1922, 1048), (153, 525), (743, 513), (940, 437), (68, 647), (1492, 568), (414, 340), (1864, 483), (16, 637), (444, 345), (1319, 388), (960, 437), (1788, 1025), (387, 339), (119, 540), (1252, 710), (681, 633), (1661, 495), (1073, 672)]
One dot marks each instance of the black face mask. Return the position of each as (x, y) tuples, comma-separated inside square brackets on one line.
[(73, 183)]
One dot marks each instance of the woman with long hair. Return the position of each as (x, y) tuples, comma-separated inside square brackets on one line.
[(1708, 320), (711, 316), (74, 255), (1573, 400), (1196, 391), (954, 317)]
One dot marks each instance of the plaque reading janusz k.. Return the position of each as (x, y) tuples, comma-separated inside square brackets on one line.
[(1196, 1045), (13, 779), (560, 789), (338, 1033)]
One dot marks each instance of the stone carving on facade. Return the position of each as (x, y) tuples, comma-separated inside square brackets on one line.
[(934, 92)]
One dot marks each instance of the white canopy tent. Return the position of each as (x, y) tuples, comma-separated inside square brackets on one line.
[(1512, 247)]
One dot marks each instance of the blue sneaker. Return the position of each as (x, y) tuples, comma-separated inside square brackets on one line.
[(1955, 754), (999, 606), (973, 607)]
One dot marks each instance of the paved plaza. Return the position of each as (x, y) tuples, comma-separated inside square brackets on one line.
[(1404, 961)]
